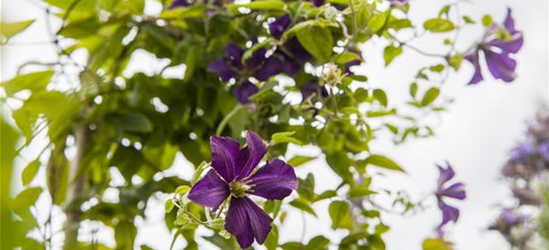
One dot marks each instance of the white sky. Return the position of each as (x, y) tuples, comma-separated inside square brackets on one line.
[(475, 135)]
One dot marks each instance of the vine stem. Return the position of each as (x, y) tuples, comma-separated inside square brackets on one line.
[(353, 16), (225, 120)]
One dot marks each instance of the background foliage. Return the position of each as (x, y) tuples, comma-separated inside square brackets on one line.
[(137, 124)]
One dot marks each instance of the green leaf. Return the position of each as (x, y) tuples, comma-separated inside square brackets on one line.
[(26, 198), (455, 62), (435, 244), (124, 234), (439, 25), (168, 206), (182, 189), (35, 82), (57, 176), (318, 243), (390, 53), (318, 41), (340, 163), (487, 21), (377, 22), (30, 172), (430, 96), (299, 160), (468, 20), (303, 206), (285, 137), (271, 243), (381, 97), (9, 30), (383, 162), (437, 68), (413, 89), (132, 122), (260, 5), (198, 172), (340, 215)]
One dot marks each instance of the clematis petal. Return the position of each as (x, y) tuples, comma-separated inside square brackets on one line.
[(350, 64), (243, 92), (511, 46), (237, 222), (251, 155), (224, 153), (246, 221), (276, 180), (456, 191), (318, 3), (271, 67), (178, 3), (449, 213), (234, 53), (509, 22), (501, 65), (473, 58), (297, 51), (210, 191), (278, 27), (310, 88), (222, 68)]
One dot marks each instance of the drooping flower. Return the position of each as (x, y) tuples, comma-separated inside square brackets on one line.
[(500, 43), (232, 177), (444, 192)]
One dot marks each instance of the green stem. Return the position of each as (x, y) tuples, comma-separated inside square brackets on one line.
[(353, 16), (225, 120)]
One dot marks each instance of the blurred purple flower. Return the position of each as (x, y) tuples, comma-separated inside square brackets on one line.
[(507, 220), (544, 150), (312, 87), (318, 3), (350, 64), (178, 3), (280, 25), (232, 176), (243, 92), (498, 46), (454, 191), (522, 152)]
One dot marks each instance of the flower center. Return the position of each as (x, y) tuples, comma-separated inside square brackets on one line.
[(238, 189)]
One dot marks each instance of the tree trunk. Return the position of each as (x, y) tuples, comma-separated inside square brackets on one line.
[(75, 188)]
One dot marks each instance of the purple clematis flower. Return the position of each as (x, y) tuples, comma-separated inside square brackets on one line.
[(544, 150), (232, 177), (522, 152), (454, 191), (350, 64), (500, 42), (243, 92), (507, 220), (280, 25), (178, 3), (312, 87)]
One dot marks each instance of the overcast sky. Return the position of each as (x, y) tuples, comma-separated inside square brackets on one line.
[(475, 135)]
